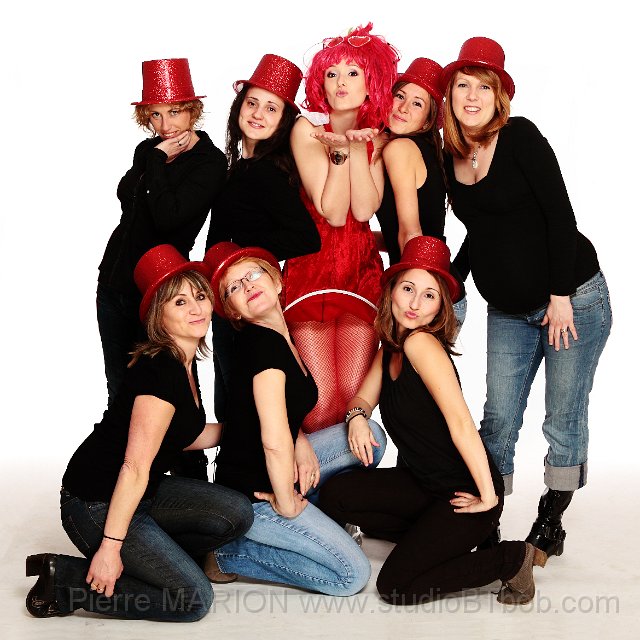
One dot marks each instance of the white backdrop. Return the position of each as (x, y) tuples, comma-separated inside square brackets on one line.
[(70, 70)]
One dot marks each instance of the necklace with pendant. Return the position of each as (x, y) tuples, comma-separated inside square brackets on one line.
[(474, 159)]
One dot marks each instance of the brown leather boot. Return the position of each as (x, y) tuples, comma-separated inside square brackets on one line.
[(213, 572), (521, 588)]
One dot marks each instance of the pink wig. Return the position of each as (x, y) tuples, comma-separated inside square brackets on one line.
[(377, 58)]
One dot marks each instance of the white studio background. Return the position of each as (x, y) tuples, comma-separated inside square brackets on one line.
[(71, 70)]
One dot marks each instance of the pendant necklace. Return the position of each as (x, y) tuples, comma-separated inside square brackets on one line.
[(474, 159)]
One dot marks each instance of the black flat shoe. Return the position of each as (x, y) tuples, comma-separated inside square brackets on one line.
[(41, 601)]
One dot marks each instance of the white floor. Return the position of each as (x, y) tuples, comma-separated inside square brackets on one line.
[(592, 591)]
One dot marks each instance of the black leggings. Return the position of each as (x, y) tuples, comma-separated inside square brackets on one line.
[(433, 555)]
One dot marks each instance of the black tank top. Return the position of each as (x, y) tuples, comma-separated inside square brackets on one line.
[(431, 202), (418, 429)]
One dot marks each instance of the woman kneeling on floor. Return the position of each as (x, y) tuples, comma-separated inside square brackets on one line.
[(271, 391), (449, 495), (143, 533)]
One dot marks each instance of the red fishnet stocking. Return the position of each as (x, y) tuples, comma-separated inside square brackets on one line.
[(338, 355)]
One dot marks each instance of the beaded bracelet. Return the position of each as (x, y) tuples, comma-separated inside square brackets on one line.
[(353, 412)]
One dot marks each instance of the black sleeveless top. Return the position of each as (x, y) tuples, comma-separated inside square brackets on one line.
[(418, 429), (431, 202)]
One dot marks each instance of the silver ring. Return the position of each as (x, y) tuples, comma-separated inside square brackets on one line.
[(563, 331), (179, 144)]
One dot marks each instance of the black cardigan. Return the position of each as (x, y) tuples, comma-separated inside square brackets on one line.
[(258, 207), (522, 241), (161, 203)]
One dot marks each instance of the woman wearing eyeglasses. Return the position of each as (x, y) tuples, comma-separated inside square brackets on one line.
[(260, 203), (291, 541), (331, 295)]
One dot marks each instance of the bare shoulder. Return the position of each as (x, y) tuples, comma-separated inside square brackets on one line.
[(426, 352), (303, 127), (400, 150)]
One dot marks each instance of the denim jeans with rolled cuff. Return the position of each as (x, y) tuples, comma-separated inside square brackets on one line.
[(166, 541), (309, 551), (516, 346)]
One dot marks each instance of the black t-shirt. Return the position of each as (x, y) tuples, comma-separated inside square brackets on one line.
[(258, 207), (522, 242), (93, 469), (418, 429), (241, 464)]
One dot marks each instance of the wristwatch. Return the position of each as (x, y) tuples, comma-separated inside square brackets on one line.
[(338, 157)]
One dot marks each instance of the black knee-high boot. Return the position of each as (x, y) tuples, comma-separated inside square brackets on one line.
[(547, 533)]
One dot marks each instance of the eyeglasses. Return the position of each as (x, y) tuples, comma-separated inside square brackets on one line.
[(236, 285), (354, 41)]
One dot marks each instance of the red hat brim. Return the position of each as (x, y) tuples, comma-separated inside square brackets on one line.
[(454, 286), (219, 271), (187, 99), (200, 267), (238, 86)]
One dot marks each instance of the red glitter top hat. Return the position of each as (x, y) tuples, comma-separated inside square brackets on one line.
[(275, 74), (158, 265), (430, 254), (426, 73), (221, 256), (485, 53), (166, 82)]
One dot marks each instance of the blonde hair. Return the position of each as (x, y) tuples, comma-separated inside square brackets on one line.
[(142, 113), (229, 310), (454, 140), (444, 326), (159, 338)]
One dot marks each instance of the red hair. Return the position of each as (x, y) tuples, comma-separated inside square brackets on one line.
[(379, 61)]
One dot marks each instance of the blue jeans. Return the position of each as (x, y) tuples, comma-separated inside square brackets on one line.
[(460, 311), (309, 551), (516, 345), (120, 328), (167, 539)]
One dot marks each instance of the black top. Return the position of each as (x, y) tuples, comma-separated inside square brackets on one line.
[(258, 207), (522, 244), (431, 202), (93, 469), (161, 203), (417, 427), (241, 463)]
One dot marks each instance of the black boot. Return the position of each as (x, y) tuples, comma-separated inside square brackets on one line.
[(41, 601), (547, 533), (491, 541)]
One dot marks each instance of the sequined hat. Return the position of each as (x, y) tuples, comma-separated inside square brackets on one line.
[(275, 74), (426, 73), (221, 256), (158, 265), (166, 82), (485, 53), (430, 254)]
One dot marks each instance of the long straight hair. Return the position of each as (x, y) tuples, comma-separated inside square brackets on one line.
[(454, 140)]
